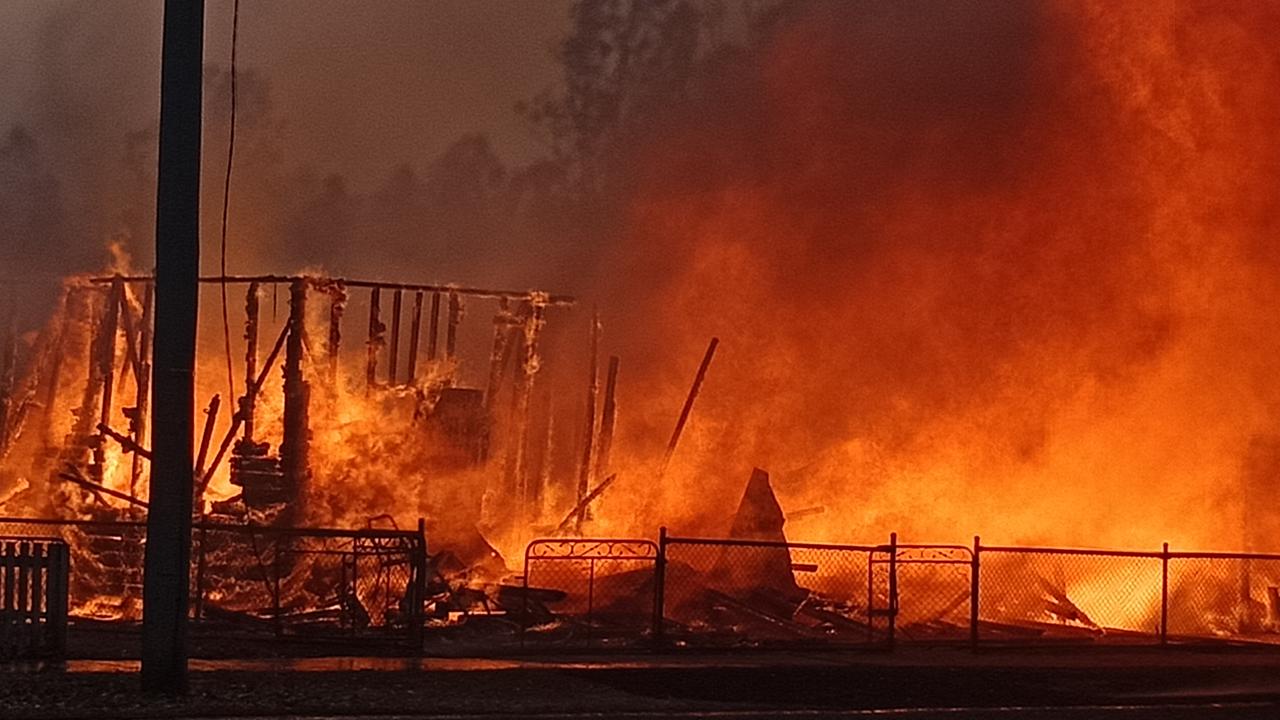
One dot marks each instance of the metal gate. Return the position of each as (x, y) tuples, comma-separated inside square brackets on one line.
[(920, 593)]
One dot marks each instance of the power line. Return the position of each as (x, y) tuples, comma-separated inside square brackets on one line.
[(226, 197)]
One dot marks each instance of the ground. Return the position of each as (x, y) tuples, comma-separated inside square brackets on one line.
[(914, 683)]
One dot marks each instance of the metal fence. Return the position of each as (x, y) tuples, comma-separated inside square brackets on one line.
[(304, 582), (712, 592), (715, 592), (33, 598), (588, 592)]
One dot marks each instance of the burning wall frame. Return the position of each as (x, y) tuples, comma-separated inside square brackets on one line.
[(119, 310)]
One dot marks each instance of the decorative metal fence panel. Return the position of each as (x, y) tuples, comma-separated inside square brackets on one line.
[(306, 582), (33, 598), (760, 593), (588, 592)]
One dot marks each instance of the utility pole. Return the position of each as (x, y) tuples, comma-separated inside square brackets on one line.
[(168, 551)]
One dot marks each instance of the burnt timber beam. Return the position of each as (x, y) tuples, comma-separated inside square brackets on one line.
[(295, 446), (249, 401), (444, 289)]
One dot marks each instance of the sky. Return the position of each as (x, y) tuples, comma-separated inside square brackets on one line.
[(362, 85)]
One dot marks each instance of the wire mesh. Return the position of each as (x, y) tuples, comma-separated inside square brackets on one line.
[(762, 593), (1224, 597), (588, 591), (1062, 595)]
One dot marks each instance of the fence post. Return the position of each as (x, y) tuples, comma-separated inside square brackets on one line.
[(660, 588), (56, 604), (200, 571), (1164, 595), (277, 621), (419, 591), (524, 596), (893, 586), (974, 585)]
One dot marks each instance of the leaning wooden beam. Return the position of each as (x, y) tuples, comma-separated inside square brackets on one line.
[(514, 295), (393, 361), (414, 332), (125, 441), (582, 505), (210, 419), (688, 404), (238, 418), (70, 475)]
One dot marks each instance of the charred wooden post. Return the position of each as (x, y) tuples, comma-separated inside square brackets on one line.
[(248, 402), (296, 444), (337, 308), (503, 321), (143, 398), (393, 362), (455, 316), (375, 341), (433, 334), (608, 416), (54, 379), (105, 360), (534, 321), (548, 451), (8, 359), (589, 434), (414, 332)]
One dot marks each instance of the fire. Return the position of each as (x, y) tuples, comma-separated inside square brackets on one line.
[(1009, 272)]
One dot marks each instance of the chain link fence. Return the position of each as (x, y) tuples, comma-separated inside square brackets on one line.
[(760, 593), (1223, 597), (1051, 594)]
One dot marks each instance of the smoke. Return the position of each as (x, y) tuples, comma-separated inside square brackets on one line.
[(975, 268)]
